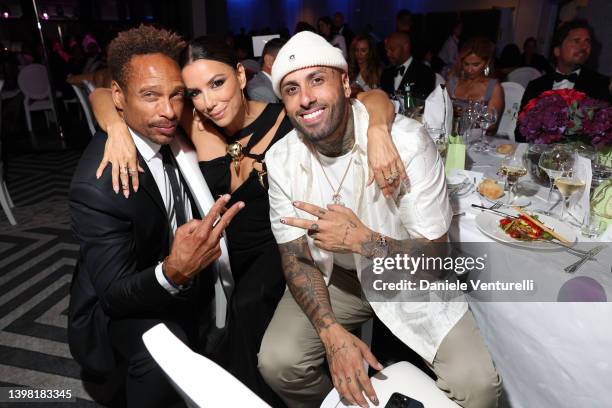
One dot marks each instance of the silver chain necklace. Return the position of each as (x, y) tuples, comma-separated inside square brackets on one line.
[(336, 197)]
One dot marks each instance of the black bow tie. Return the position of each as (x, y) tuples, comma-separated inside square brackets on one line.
[(560, 77), (399, 70)]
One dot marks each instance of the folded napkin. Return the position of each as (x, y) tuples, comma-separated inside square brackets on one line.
[(455, 154), (439, 109)]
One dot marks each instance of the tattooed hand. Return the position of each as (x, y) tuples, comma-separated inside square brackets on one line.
[(337, 229), (345, 355)]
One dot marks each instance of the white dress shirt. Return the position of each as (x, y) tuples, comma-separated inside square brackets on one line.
[(420, 210), (150, 152), (565, 84), (398, 78)]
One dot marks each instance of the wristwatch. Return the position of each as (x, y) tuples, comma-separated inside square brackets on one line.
[(381, 247)]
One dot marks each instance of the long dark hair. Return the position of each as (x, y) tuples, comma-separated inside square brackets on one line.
[(209, 48), (373, 66)]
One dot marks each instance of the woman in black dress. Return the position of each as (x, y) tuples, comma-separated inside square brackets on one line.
[(231, 135)]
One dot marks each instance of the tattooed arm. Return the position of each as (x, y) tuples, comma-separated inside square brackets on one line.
[(345, 352)]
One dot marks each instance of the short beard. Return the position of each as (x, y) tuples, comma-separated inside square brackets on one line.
[(336, 117)]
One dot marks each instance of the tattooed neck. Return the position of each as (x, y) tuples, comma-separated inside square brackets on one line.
[(340, 143)]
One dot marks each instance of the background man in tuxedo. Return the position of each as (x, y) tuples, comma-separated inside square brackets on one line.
[(340, 27), (259, 87), (404, 69), (141, 259), (572, 49)]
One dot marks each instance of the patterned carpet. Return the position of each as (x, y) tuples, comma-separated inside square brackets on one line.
[(36, 262)]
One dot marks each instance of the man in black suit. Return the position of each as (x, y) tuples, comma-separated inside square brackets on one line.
[(341, 28), (404, 71), (142, 260), (572, 49)]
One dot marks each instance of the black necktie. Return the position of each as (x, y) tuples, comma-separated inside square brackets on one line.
[(399, 70), (560, 77), (170, 169)]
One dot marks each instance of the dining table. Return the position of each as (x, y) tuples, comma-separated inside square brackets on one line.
[(552, 346)]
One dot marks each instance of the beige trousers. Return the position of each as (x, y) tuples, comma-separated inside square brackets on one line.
[(291, 356)]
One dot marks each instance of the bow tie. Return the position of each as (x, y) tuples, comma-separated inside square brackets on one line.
[(558, 77), (399, 70)]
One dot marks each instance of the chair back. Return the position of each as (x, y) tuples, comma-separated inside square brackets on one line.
[(513, 93), (34, 82), (439, 80), (200, 382), (523, 75), (86, 108)]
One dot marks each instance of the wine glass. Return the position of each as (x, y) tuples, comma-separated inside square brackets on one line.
[(468, 118), (569, 183), (438, 136), (512, 168), (554, 162), (486, 119)]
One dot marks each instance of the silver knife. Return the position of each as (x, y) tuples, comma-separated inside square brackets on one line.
[(494, 211)]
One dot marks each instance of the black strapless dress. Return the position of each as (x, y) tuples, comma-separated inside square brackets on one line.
[(254, 257)]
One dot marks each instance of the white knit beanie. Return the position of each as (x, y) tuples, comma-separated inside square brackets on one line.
[(303, 50)]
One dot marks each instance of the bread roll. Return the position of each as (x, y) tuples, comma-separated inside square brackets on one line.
[(490, 189)]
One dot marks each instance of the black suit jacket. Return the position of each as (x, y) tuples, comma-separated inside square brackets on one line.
[(590, 82), (121, 242), (419, 74)]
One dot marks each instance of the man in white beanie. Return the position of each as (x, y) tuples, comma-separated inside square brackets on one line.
[(327, 219)]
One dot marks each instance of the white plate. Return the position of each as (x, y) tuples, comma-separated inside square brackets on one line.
[(488, 224), (520, 201)]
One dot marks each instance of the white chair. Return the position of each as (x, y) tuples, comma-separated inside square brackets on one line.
[(200, 382), (523, 75), (86, 108), (34, 84), (513, 93), (439, 80), (404, 378)]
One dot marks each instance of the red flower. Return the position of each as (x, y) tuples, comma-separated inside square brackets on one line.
[(568, 95)]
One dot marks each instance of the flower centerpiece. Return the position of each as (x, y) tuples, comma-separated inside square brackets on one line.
[(568, 116)]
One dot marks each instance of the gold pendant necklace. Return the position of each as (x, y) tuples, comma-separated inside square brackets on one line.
[(336, 197), (235, 152)]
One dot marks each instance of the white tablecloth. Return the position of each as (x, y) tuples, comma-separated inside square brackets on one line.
[(548, 354)]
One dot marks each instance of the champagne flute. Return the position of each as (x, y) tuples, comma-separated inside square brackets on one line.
[(569, 184), (554, 162), (512, 168)]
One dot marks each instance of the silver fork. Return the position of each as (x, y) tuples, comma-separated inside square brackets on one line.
[(590, 255)]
